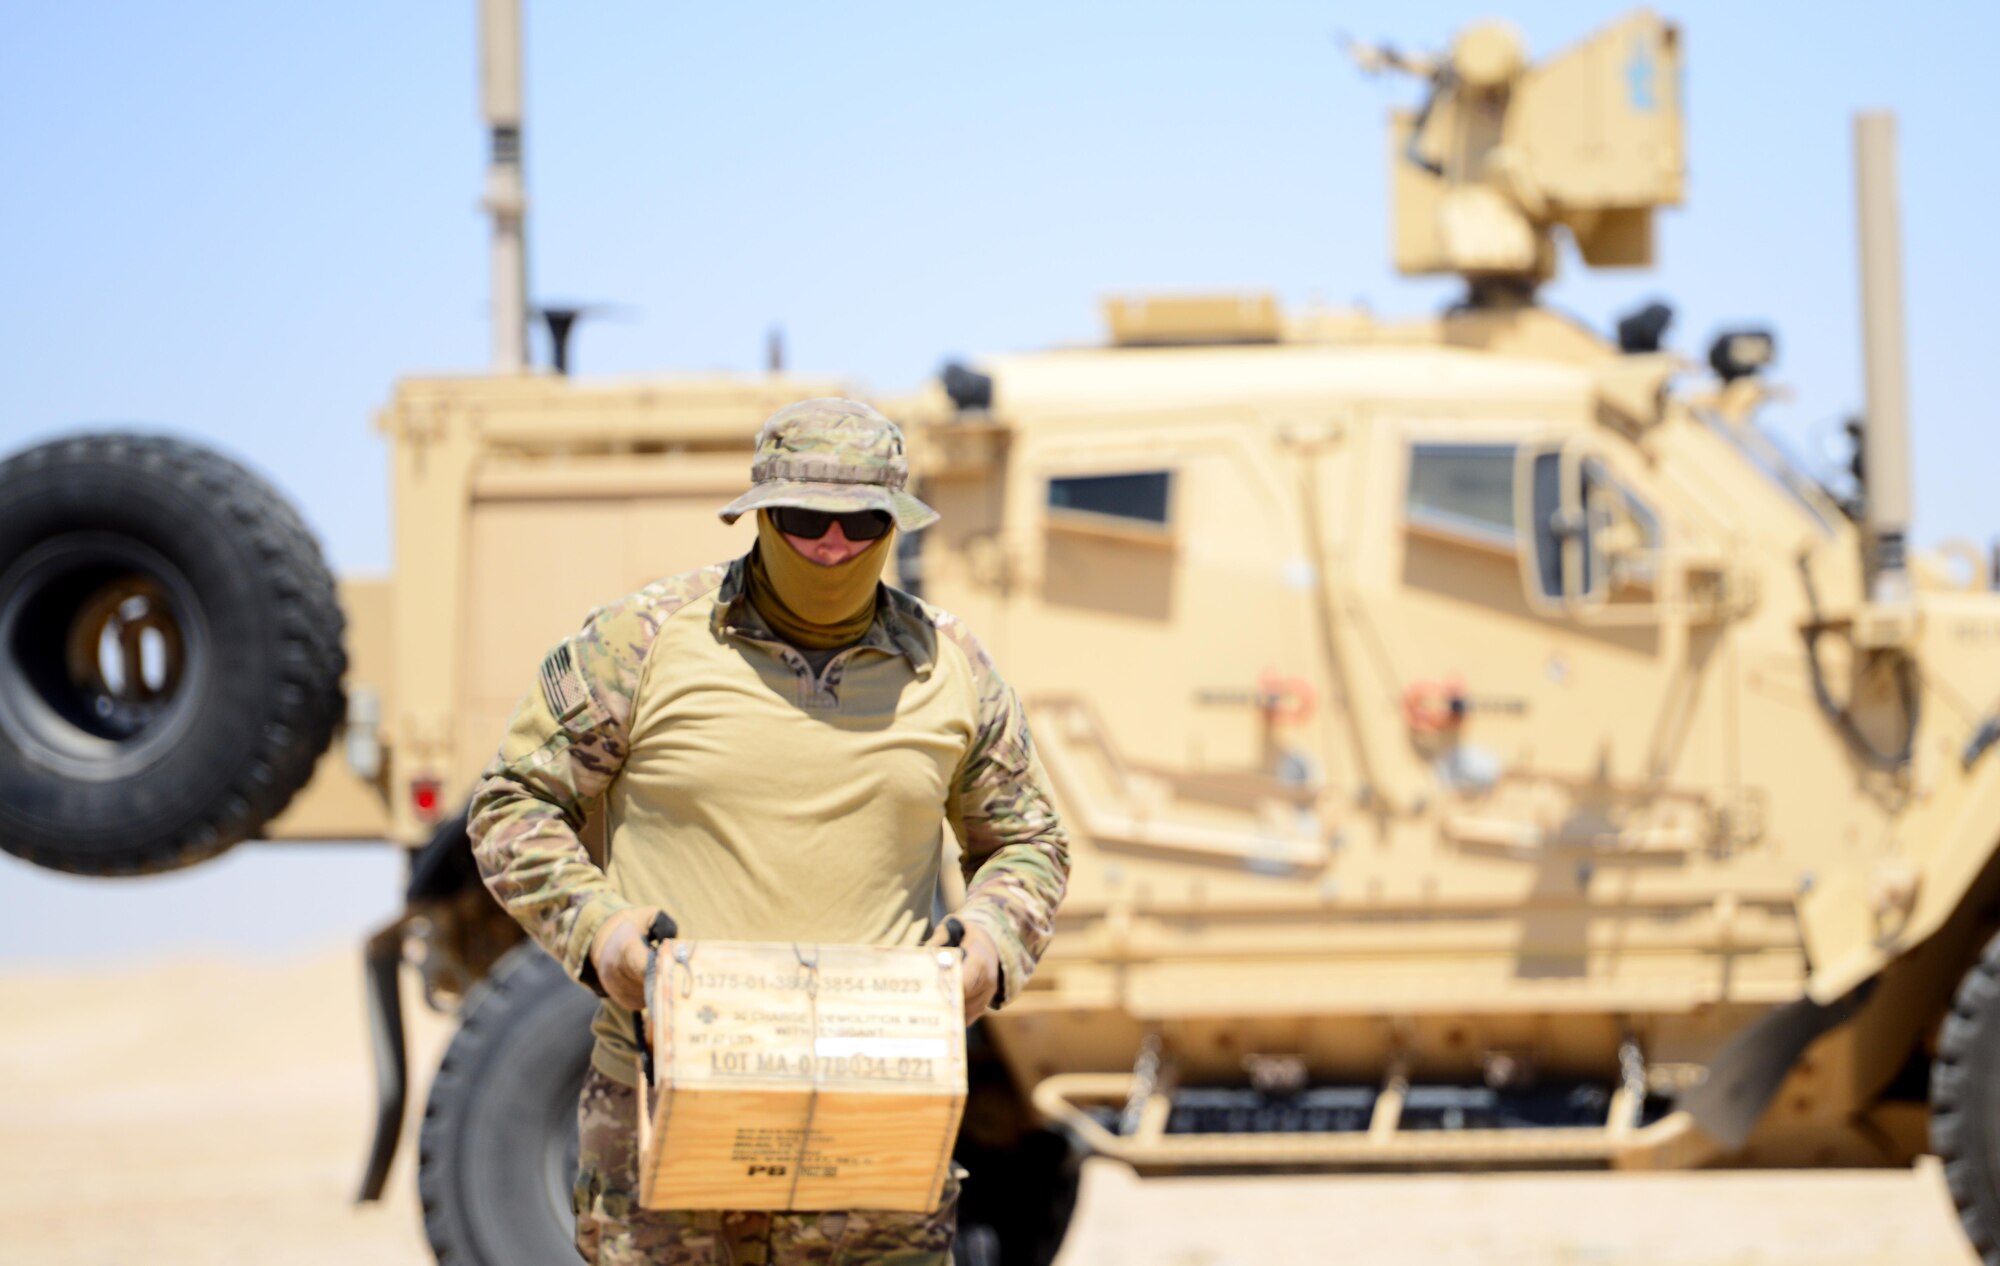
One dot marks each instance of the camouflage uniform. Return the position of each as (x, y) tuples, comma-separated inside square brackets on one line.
[(834, 455), (571, 738)]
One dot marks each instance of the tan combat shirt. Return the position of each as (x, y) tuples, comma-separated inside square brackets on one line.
[(755, 799)]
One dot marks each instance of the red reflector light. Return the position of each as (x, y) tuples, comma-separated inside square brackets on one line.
[(424, 798)]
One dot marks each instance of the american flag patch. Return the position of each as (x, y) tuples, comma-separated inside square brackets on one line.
[(561, 688)]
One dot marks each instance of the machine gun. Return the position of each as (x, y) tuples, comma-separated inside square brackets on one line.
[(1500, 153)]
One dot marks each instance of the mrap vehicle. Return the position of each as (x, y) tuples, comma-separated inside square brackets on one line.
[(1480, 746)]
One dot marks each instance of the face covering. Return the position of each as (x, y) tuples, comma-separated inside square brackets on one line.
[(810, 606)]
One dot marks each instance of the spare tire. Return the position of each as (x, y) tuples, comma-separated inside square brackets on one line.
[(170, 654)]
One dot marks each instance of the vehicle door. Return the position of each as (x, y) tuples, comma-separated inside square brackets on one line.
[(1544, 623), (1162, 629)]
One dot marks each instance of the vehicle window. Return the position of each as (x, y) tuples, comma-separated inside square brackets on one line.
[(1617, 534), (1632, 543), (1765, 451), (1141, 497), (1643, 516), (1467, 489)]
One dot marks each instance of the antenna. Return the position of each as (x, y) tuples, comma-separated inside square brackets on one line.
[(561, 322), (506, 198), (1885, 436)]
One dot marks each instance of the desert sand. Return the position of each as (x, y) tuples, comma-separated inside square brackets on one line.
[(202, 1111), (197, 1112)]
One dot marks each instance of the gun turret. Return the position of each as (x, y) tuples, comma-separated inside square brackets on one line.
[(1502, 152)]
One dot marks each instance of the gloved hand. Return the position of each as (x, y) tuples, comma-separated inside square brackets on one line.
[(619, 954), (982, 964)]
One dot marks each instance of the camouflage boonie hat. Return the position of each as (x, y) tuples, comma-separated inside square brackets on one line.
[(834, 455)]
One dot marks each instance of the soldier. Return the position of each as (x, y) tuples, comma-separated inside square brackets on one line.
[(776, 742)]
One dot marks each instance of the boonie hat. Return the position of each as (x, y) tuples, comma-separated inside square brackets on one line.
[(834, 455)]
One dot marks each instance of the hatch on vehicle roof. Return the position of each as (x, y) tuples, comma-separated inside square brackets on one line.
[(1180, 320)]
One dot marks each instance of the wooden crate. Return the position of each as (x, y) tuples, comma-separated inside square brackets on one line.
[(802, 1077)]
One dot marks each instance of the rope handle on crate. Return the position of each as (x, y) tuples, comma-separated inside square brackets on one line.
[(809, 964)]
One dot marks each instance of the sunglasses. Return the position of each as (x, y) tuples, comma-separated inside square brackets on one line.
[(856, 525)]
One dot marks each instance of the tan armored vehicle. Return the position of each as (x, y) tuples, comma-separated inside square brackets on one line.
[(1480, 747)]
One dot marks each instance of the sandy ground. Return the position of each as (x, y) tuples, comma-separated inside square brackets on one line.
[(216, 1112), (197, 1112), (1839, 1218)]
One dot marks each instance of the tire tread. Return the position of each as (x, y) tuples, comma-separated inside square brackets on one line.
[(307, 703), (522, 980), (1963, 1120)]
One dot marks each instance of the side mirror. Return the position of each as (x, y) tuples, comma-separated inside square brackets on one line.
[(1597, 499), (1578, 529)]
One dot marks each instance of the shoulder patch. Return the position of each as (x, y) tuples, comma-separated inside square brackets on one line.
[(563, 688)]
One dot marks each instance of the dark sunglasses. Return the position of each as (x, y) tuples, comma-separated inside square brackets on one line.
[(856, 525)]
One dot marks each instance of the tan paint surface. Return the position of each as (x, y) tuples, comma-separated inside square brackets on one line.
[(1300, 879)]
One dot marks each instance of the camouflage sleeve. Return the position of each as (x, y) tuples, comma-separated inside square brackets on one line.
[(566, 742), (1013, 850)]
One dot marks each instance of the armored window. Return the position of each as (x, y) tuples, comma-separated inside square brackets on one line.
[(1622, 528), (1612, 542), (1140, 499), (1643, 519), (1463, 490)]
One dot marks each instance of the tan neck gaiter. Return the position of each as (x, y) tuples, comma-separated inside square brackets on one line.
[(813, 607)]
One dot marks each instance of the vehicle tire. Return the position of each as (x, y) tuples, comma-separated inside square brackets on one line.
[(976, 1244), (1016, 1206), (1965, 1103), (170, 654), (497, 1154)]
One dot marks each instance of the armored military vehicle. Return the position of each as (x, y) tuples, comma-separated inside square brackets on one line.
[(1481, 747)]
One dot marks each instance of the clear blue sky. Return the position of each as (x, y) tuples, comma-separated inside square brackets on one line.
[(241, 221)]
